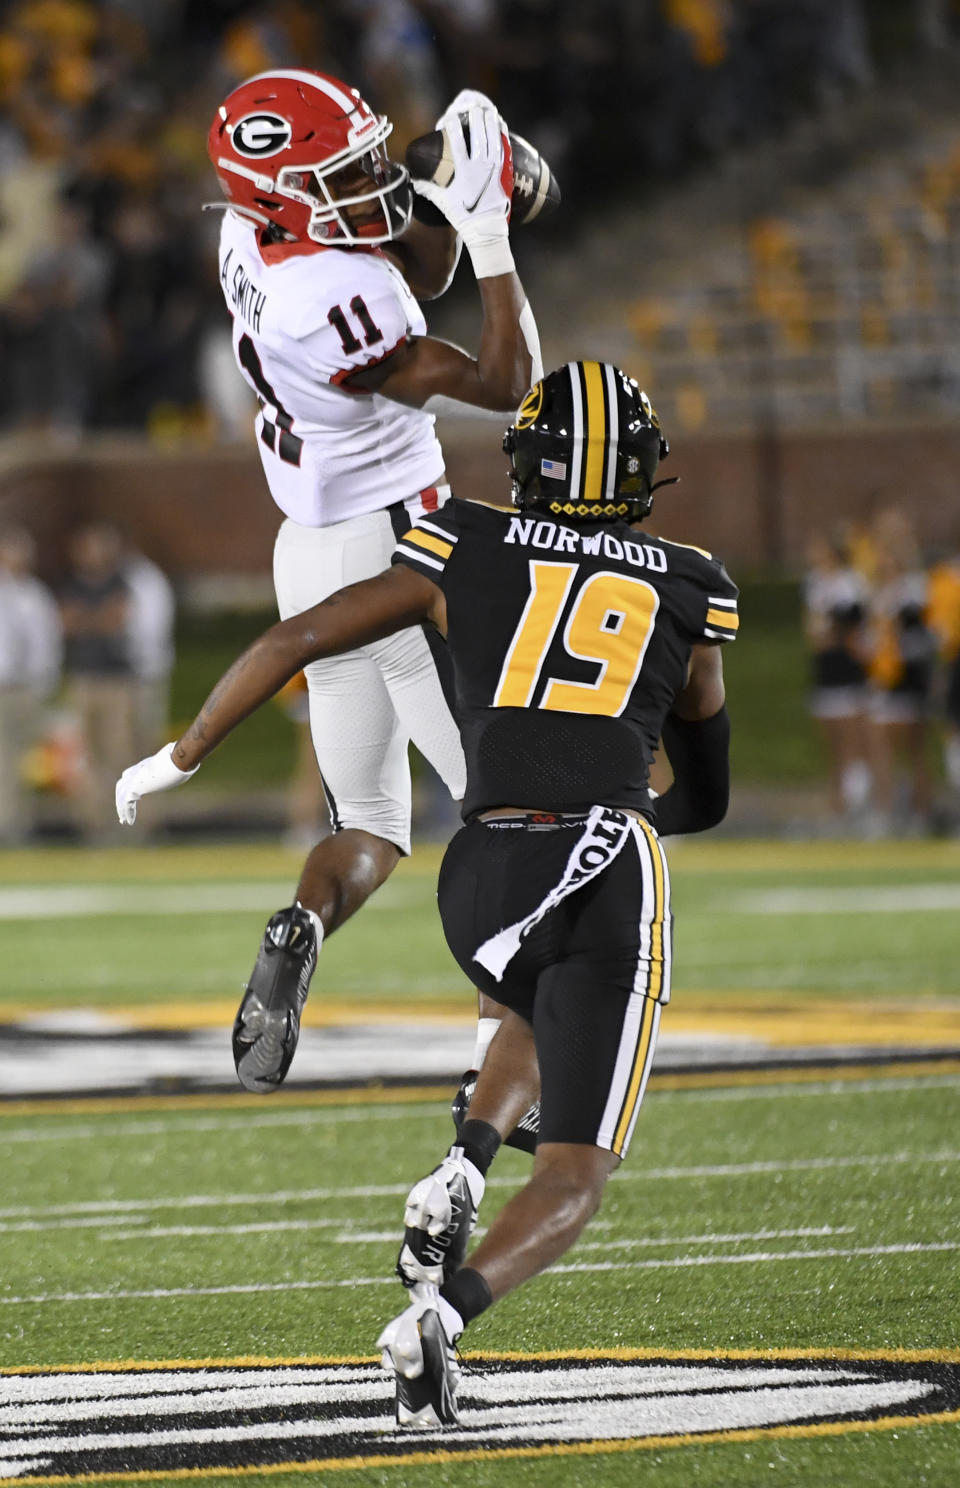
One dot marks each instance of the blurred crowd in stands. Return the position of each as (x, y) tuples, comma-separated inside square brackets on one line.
[(109, 317), (883, 630)]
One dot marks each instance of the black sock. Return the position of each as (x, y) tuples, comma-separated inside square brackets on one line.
[(468, 1293), (478, 1141)]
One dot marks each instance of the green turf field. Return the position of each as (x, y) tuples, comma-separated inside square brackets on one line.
[(821, 1218), (793, 1221), (858, 922)]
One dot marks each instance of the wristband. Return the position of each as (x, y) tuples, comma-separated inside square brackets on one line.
[(490, 257)]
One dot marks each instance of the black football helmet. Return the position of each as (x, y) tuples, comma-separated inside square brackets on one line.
[(585, 444)]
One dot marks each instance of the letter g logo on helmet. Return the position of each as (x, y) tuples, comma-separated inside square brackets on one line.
[(258, 135)]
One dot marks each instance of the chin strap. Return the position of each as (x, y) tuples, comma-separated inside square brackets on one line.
[(225, 206)]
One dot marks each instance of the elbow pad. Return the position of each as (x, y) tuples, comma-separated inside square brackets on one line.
[(699, 753)]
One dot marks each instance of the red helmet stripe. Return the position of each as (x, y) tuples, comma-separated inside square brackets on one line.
[(347, 101)]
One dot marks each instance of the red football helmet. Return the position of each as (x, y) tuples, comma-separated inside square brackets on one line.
[(297, 148)]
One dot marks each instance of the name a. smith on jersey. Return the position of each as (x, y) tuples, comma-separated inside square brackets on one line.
[(245, 296), (528, 532)]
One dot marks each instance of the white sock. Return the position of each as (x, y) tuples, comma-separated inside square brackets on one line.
[(486, 1028), (315, 921)]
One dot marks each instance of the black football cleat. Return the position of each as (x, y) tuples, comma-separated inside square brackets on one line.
[(419, 1346), (439, 1217), (524, 1135), (461, 1101), (267, 1025)]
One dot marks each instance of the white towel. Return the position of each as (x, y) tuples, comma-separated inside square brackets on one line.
[(604, 833)]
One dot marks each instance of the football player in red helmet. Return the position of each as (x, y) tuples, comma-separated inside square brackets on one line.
[(322, 262), (304, 153)]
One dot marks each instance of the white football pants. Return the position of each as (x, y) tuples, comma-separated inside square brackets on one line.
[(367, 705)]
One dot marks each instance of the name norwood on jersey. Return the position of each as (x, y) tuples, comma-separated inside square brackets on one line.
[(546, 534)]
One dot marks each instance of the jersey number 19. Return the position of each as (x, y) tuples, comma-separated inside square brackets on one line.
[(609, 623)]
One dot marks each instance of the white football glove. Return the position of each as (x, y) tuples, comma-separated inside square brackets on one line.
[(156, 773), (465, 100), (476, 202)]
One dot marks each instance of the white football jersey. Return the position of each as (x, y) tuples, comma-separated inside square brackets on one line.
[(304, 318)]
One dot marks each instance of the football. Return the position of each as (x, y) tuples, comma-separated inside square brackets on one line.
[(536, 192)]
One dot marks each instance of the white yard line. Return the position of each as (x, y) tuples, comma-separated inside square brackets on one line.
[(379, 1237), (892, 899), (80, 901), (893, 1086), (390, 1190), (663, 1264), (788, 1165), (153, 1232), (830, 1253), (188, 1231), (184, 1122), (809, 1232), (349, 1236), (206, 1201)]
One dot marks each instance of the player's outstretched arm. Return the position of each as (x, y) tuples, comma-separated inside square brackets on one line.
[(427, 370), (352, 617), (476, 204)]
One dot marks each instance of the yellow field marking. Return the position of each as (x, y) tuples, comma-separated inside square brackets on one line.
[(220, 1014), (718, 856), (502, 1356), (788, 1024), (778, 1020), (806, 1075), (109, 1105), (387, 1095)]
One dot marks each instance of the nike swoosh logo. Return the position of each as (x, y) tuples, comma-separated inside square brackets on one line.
[(470, 206)]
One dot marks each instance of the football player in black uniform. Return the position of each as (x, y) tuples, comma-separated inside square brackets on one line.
[(578, 641)]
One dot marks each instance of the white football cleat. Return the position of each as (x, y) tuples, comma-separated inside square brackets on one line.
[(419, 1346), (440, 1215)]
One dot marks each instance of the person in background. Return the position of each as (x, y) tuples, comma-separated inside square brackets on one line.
[(96, 608), (835, 608), (150, 635), (30, 656), (902, 652), (943, 617)]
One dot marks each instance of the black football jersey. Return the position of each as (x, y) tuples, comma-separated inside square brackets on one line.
[(569, 646)]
